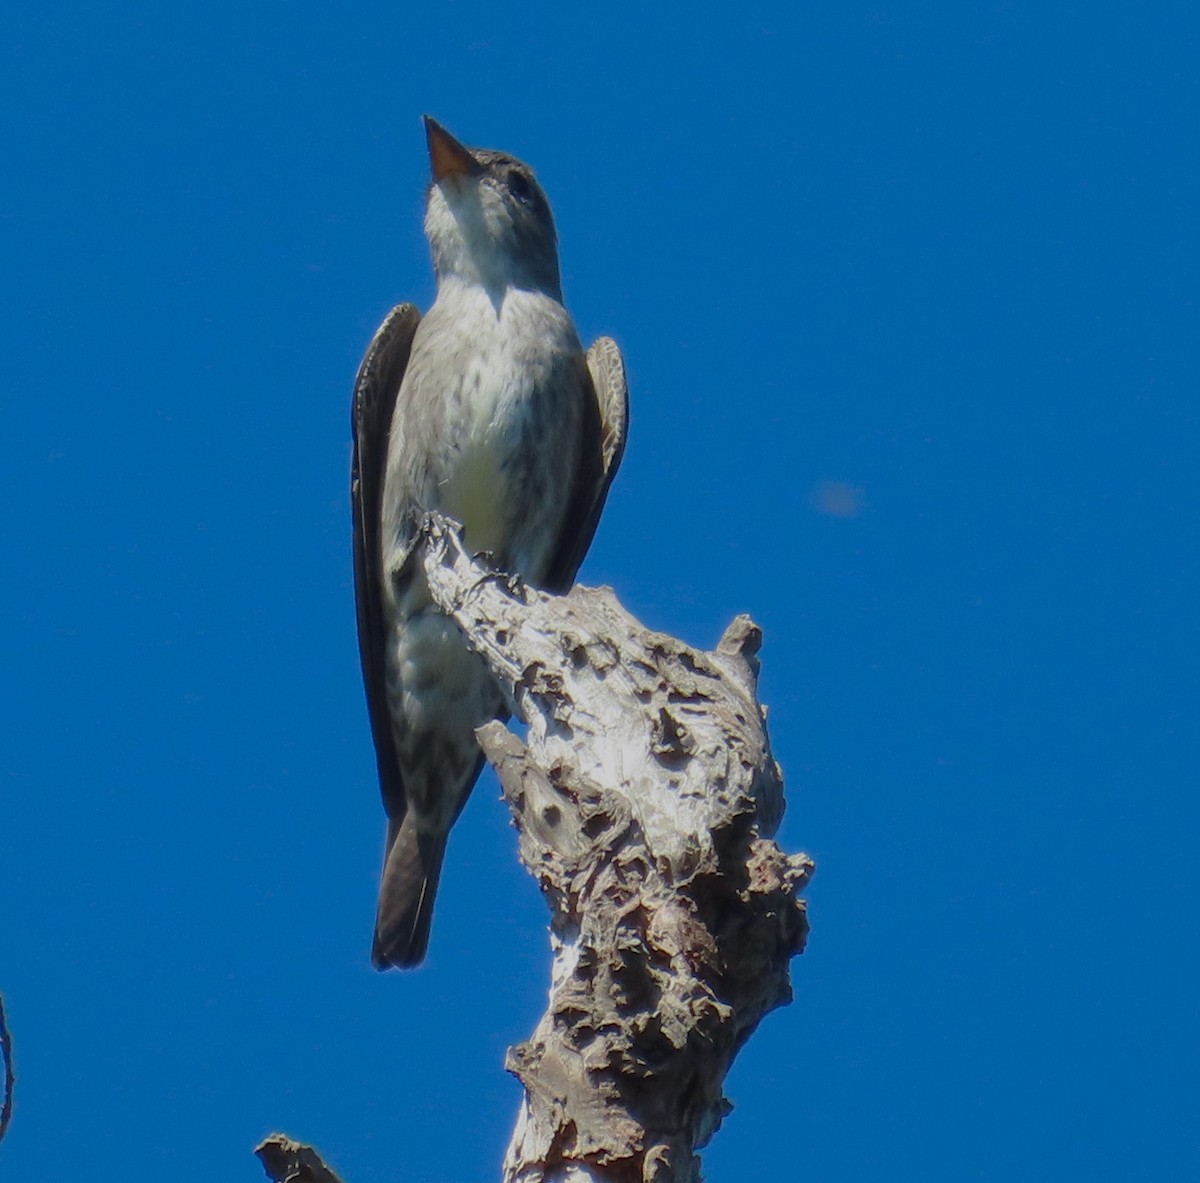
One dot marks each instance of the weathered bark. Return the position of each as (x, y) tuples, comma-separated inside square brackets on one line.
[(645, 796)]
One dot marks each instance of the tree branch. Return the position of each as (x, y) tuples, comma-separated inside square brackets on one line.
[(10, 1076), (286, 1161), (646, 797)]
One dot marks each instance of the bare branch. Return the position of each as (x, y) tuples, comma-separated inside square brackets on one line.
[(646, 798), (10, 1076), (286, 1161)]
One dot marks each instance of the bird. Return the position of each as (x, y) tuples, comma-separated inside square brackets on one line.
[(489, 410)]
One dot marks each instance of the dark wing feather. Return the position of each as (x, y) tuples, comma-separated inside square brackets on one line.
[(375, 391), (605, 430)]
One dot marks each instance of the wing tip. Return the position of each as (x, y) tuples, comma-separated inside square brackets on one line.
[(607, 368)]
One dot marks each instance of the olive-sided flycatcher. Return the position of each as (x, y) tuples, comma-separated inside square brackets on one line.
[(489, 410)]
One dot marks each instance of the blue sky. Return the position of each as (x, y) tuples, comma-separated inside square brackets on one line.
[(908, 299)]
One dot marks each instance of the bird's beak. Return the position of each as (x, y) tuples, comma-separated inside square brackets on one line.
[(447, 157)]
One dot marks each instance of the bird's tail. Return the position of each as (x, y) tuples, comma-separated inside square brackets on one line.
[(411, 868)]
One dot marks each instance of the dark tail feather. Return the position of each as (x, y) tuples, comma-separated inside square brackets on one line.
[(410, 877)]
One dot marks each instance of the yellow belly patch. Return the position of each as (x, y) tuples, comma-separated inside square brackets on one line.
[(476, 495)]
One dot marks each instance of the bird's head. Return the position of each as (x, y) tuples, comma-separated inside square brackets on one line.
[(487, 219)]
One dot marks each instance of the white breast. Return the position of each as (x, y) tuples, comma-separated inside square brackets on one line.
[(472, 382)]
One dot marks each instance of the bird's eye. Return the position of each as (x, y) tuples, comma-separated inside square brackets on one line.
[(518, 182)]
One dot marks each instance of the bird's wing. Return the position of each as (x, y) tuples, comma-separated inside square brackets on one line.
[(607, 423), (612, 397), (375, 391)]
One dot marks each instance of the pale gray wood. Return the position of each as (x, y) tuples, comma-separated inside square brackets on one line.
[(646, 797)]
